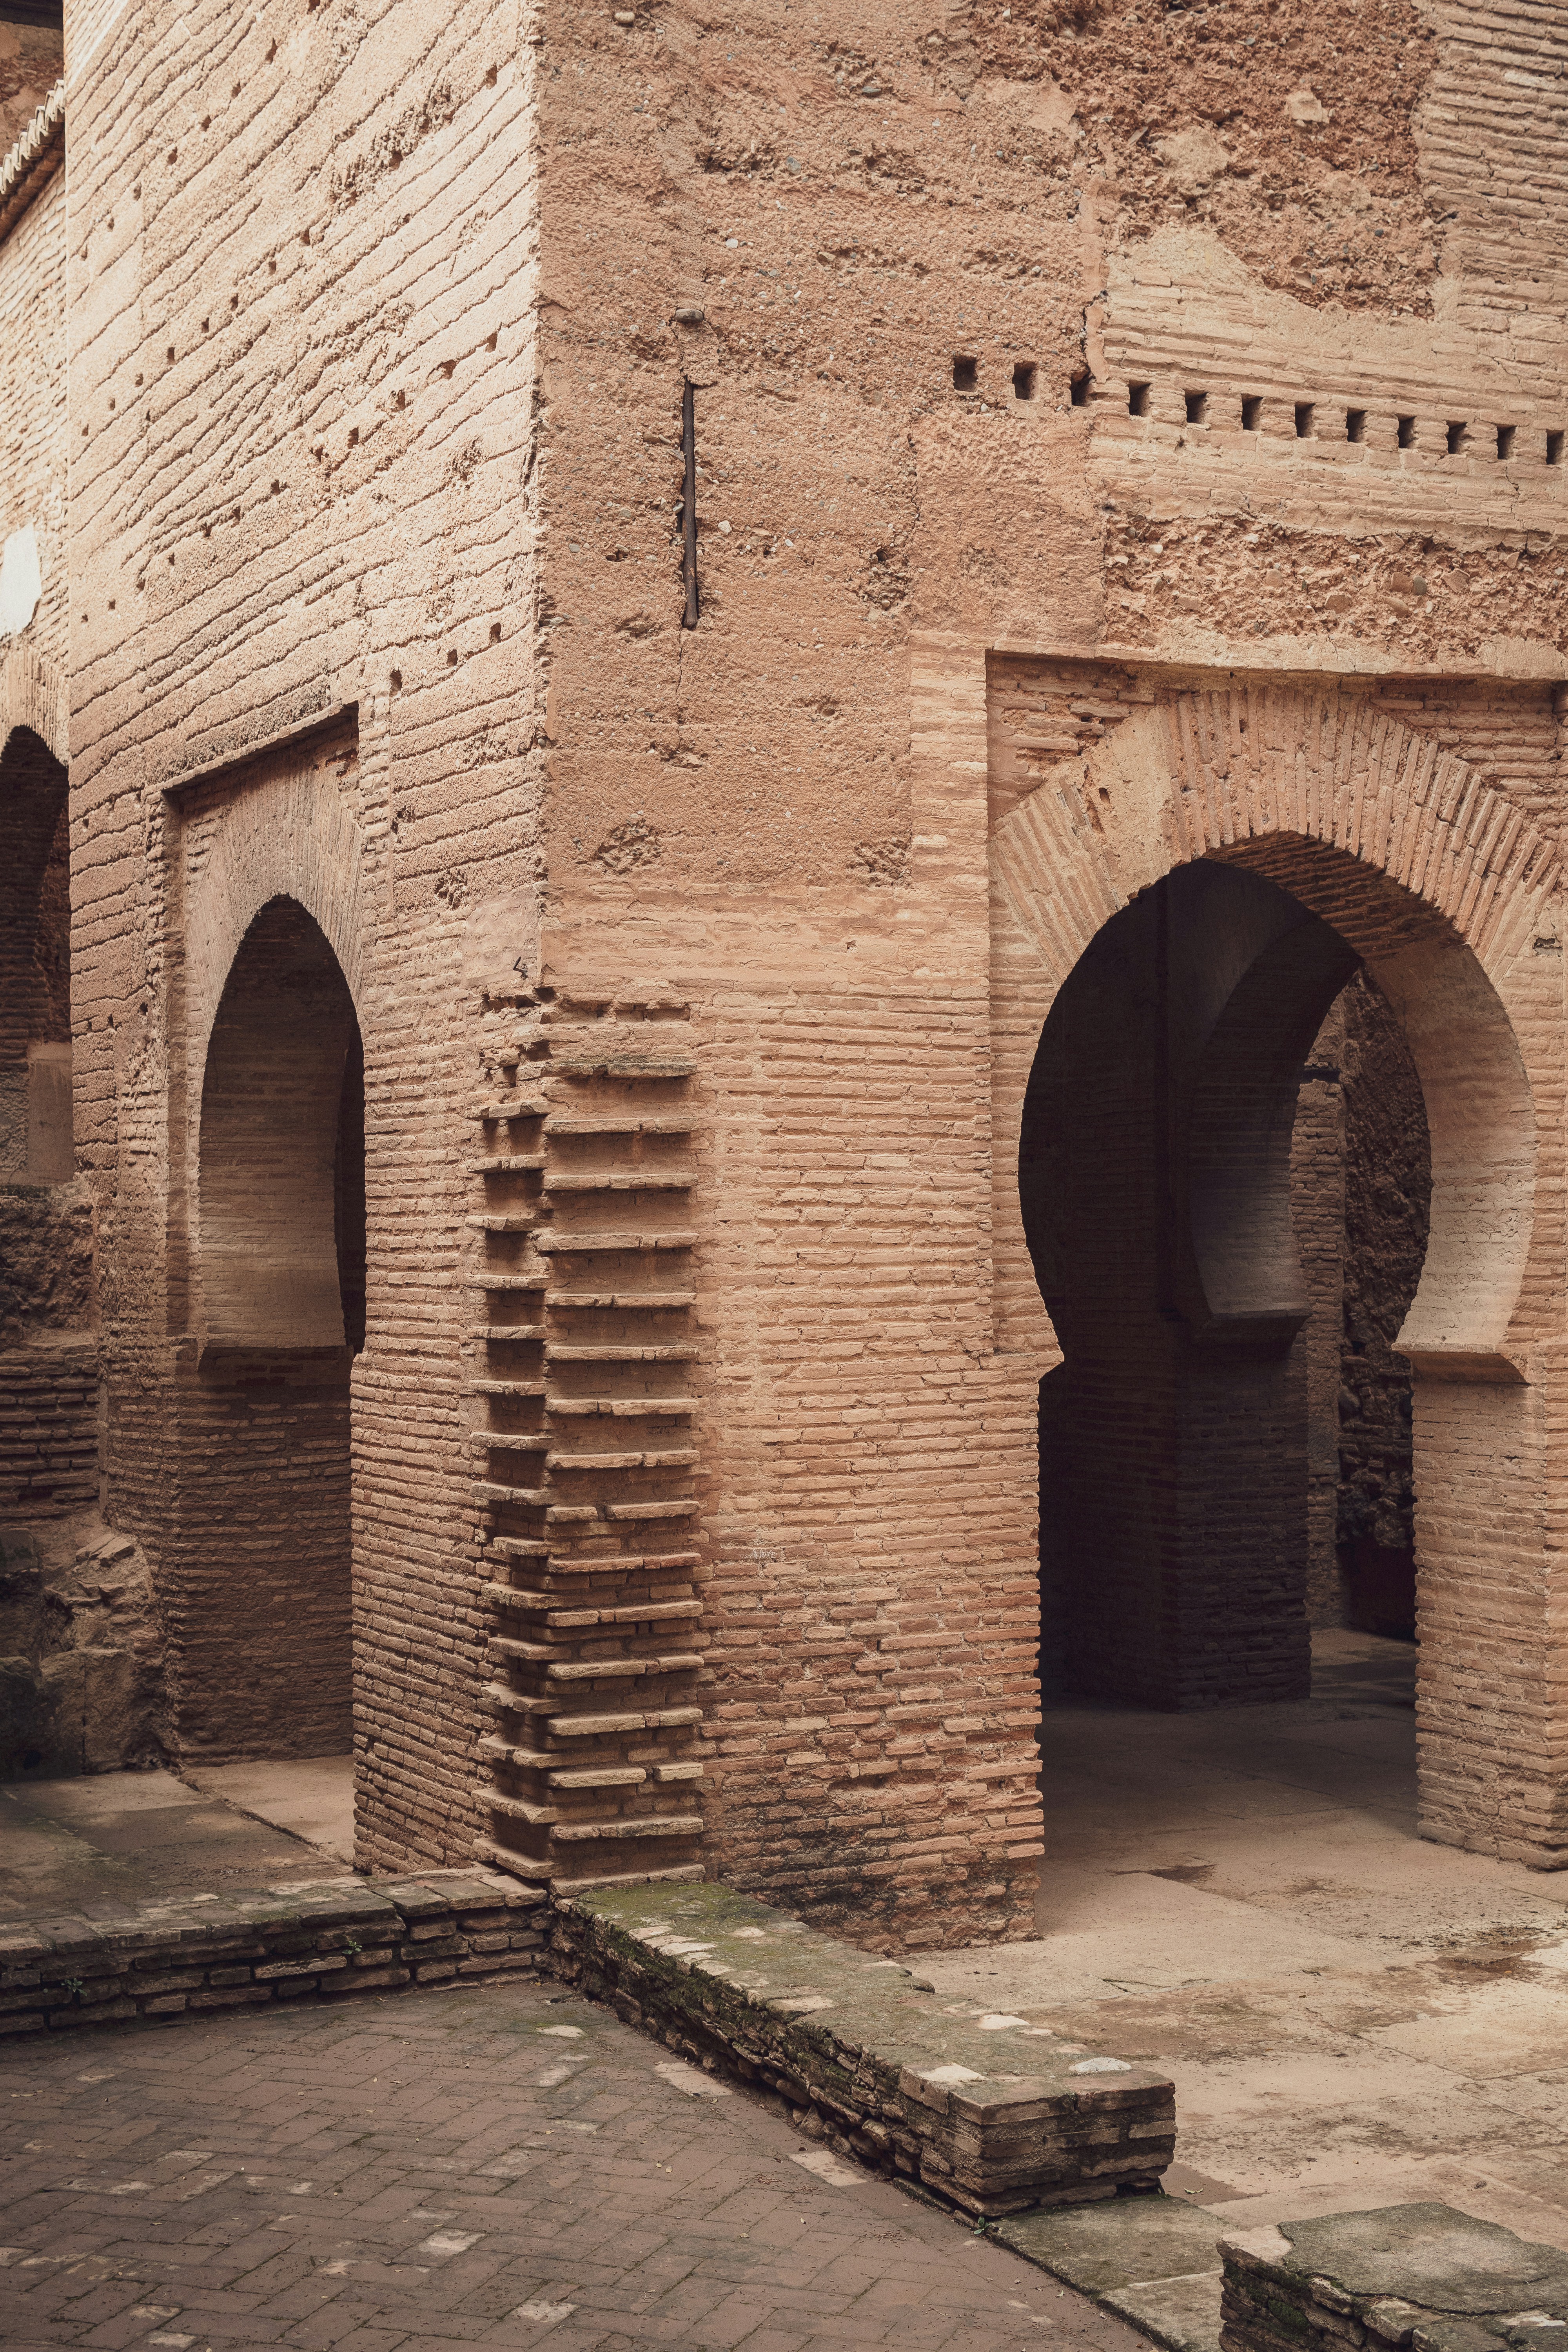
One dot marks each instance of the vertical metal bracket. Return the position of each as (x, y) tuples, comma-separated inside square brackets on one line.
[(689, 505)]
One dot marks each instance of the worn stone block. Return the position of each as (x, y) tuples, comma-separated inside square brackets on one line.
[(995, 2122), (1423, 2275)]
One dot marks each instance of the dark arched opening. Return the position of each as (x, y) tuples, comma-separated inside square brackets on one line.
[(269, 1637), (1211, 1263), (35, 965)]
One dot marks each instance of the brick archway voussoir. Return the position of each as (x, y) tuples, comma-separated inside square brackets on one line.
[(1437, 880)]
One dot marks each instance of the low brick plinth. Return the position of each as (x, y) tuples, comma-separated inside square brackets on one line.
[(995, 2121), (324, 1942), (1426, 2276)]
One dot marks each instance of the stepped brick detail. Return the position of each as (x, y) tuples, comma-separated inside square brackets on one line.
[(584, 1444)]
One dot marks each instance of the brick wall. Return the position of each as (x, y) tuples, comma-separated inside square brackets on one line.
[(48, 1430), (403, 436)]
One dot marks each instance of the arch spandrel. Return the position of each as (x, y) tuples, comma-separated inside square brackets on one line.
[(285, 839), (32, 696), (1448, 892)]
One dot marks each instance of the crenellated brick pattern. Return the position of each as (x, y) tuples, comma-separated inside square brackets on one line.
[(584, 1446)]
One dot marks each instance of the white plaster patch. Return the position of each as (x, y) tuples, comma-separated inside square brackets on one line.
[(21, 586), (564, 2032), (827, 2167), (692, 2079), (553, 2077), (448, 2241), (951, 2075), (998, 2024), (1100, 2066), (544, 2315)]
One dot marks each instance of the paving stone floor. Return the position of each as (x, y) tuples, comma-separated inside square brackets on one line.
[(504, 2165)]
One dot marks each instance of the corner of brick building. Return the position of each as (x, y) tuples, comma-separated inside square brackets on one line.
[(1001, 333)]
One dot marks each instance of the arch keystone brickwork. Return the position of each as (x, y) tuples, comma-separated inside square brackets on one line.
[(1450, 893)]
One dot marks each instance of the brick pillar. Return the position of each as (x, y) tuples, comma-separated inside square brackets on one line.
[(1491, 1598)]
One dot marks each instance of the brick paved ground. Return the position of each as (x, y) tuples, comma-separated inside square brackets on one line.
[(501, 2166)]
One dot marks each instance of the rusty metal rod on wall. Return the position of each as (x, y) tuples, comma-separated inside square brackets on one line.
[(689, 504)]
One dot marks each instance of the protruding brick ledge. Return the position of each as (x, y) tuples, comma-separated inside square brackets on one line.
[(1426, 2276), (992, 2121), (321, 1941)]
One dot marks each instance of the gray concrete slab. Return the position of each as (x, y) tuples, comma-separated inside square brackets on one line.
[(112, 1841), (1354, 2017), (312, 1797)]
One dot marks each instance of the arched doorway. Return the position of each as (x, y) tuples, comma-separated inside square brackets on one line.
[(35, 966), (1188, 1229), (267, 1652), (1446, 895)]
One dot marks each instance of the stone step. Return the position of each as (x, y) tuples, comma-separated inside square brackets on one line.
[(610, 1123), (505, 1388), (643, 1408), (505, 1333), (585, 1240), (585, 1670), (526, 1164), (617, 1565), (683, 1873), (500, 1752), (683, 1509), (682, 1458), (521, 1548), (507, 1441), (509, 1106), (507, 1701), (615, 1061), (500, 1650), (643, 1825), (565, 1618), (664, 1351), (1423, 2273), (528, 1498), (615, 1181), (647, 1302), (1152, 2260), (991, 2117), (607, 1726), (503, 1221), (490, 1280), (518, 1809), (532, 1872)]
